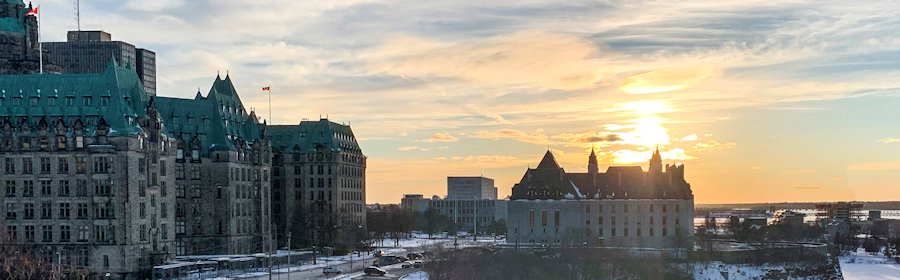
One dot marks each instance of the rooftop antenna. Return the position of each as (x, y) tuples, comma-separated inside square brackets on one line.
[(77, 5)]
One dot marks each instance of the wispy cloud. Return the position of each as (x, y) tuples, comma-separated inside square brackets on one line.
[(442, 137), (889, 140), (536, 137)]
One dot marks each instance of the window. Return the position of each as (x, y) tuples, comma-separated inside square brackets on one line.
[(84, 233), (29, 233), (27, 166), (142, 210), (64, 210), (162, 168), (46, 189), (9, 166), (12, 233), (179, 153), (101, 165), (11, 211), (61, 142), (164, 231), (28, 188), (556, 218), (179, 227), (179, 171), (587, 209), (10, 188), (45, 165), (87, 100), (104, 100), (29, 211), (70, 101), (544, 218), (62, 167), (46, 210), (142, 165), (163, 210), (81, 189), (106, 261), (179, 191), (82, 211), (143, 233), (79, 142), (65, 233), (80, 165), (47, 233)]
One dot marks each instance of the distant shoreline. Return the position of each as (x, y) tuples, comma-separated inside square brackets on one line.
[(867, 205)]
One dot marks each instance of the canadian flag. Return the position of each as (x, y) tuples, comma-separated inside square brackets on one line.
[(33, 12), (267, 88)]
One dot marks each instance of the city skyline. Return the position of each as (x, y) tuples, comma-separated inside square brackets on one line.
[(762, 102)]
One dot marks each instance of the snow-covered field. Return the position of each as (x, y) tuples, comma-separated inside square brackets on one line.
[(860, 265), (420, 275)]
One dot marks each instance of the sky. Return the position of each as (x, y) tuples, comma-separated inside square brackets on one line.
[(762, 101)]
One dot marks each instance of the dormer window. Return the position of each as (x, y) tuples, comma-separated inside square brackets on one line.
[(195, 154), (104, 101), (70, 101), (51, 101), (88, 101), (79, 142), (34, 101), (179, 153), (16, 101)]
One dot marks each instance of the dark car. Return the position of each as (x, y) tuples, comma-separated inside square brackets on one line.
[(415, 256), (374, 271)]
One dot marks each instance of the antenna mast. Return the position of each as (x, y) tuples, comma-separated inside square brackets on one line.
[(77, 5)]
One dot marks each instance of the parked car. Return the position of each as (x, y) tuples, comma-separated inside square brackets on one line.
[(407, 264), (374, 271), (418, 264), (331, 270), (415, 256)]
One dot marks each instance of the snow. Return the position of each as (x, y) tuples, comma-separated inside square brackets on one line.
[(419, 275), (718, 270), (862, 265)]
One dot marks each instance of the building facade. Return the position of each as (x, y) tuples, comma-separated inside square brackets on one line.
[(471, 188), (89, 52), (319, 181), (84, 171), (19, 47), (624, 207), (221, 173)]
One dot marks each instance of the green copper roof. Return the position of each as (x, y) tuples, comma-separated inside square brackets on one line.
[(309, 136), (116, 95), (218, 120)]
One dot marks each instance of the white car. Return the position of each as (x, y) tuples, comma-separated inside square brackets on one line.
[(407, 264), (331, 270)]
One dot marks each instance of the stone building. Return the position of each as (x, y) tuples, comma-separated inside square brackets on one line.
[(319, 171), (88, 51), (624, 207), (221, 173), (19, 45), (85, 161)]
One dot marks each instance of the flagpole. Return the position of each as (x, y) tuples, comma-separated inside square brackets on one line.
[(40, 46), (270, 105)]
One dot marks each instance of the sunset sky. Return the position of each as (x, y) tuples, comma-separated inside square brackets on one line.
[(767, 101)]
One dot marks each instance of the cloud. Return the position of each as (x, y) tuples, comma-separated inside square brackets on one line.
[(411, 148), (665, 80), (874, 166), (713, 145), (442, 137), (537, 137), (530, 58), (588, 137), (889, 140), (689, 138)]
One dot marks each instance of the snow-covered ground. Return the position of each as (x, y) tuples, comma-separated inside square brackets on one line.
[(860, 265), (419, 275), (718, 270)]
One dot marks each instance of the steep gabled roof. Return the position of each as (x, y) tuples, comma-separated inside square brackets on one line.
[(115, 95), (548, 162), (309, 136)]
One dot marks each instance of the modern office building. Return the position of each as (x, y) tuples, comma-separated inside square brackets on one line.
[(471, 188), (87, 52), (85, 160), (221, 173), (624, 207), (319, 171)]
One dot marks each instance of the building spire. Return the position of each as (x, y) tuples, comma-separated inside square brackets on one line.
[(593, 168), (656, 161)]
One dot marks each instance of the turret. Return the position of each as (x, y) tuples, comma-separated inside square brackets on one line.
[(656, 162), (592, 163)]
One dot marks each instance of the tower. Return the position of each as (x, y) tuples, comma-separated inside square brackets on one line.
[(656, 162), (592, 163)]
